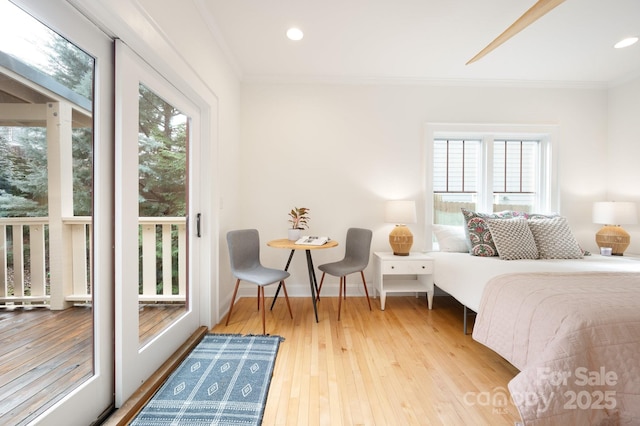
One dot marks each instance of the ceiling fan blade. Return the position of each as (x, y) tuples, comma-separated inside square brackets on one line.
[(541, 8)]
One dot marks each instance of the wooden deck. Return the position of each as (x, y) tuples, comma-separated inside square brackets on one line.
[(46, 354)]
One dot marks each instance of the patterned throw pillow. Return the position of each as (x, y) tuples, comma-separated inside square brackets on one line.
[(541, 215), (478, 233), (513, 238), (554, 239)]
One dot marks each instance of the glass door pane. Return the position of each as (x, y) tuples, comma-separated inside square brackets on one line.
[(46, 217), (162, 168)]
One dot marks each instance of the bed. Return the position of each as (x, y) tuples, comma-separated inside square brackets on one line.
[(571, 326), (464, 276), (569, 321)]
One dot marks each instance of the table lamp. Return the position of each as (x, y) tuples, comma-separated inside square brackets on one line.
[(400, 213), (612, 214)]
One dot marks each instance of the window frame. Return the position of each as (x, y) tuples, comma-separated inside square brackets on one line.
[(547, 184)]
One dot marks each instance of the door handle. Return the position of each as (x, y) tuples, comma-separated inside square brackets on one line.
[(198, 219)]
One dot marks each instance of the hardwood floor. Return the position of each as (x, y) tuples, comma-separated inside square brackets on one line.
[(405, 365)]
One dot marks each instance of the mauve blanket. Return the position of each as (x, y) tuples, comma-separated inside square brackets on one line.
[(575, 337)]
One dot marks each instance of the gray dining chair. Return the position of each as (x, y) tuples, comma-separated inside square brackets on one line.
[(356, 258), (244, 254)]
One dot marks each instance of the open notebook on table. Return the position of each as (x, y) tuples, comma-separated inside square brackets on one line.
[(312, 241)]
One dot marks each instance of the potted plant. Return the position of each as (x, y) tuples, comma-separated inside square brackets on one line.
[(298, 218)]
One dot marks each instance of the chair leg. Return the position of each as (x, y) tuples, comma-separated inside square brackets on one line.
[(340, 297), (364, 283), (258, 298), (320, 288), (344, 293), (286, 297), (261, 301), (232, 300)]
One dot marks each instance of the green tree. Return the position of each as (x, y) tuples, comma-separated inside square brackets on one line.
[(73, 68), (25, 174), (23, 179), (162, 157), (5, 164)]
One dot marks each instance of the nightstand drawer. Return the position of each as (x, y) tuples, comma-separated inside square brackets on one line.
[(408, 267)]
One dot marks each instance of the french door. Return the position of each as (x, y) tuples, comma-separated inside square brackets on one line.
[(144, 200), (157, 209), (90, 207)]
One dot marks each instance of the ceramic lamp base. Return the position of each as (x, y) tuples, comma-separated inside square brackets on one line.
[(615, 237), (401, 240)]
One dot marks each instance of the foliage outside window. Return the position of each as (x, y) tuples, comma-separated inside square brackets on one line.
[(23, 150), (162, 157), (162, 172)]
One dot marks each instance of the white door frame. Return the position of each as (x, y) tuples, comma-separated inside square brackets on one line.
[(135, 364), (122, 18), (84, 404), (127, 20)]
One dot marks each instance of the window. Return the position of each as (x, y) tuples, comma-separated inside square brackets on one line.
[(456, 166), (488, 171), (515, 174)]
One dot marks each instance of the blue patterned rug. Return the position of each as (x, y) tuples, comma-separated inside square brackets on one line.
[(223, 381)]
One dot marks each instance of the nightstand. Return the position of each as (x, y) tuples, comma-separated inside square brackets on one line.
[(387, 265)]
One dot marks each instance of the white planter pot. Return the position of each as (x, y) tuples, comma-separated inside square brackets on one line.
[(294, 234)]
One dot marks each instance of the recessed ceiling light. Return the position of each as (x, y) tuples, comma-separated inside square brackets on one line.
[(295, 34), (626, 42)]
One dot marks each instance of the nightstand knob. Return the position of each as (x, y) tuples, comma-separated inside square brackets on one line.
[(393, 267), (423, 266)]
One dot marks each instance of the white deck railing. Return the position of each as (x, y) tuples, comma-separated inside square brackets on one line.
[(26, 279)]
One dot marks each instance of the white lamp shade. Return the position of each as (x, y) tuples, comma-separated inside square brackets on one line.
[(400, 212), (615, 213)]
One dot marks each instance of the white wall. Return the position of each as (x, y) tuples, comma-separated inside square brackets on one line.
[(623, 150), (342, 150)]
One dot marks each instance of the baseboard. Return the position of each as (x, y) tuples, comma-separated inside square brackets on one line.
[(329, 289)]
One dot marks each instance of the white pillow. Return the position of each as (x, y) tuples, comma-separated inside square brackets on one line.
[(451, 238)]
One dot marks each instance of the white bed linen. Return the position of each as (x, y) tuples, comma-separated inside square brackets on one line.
[(464, 276)]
